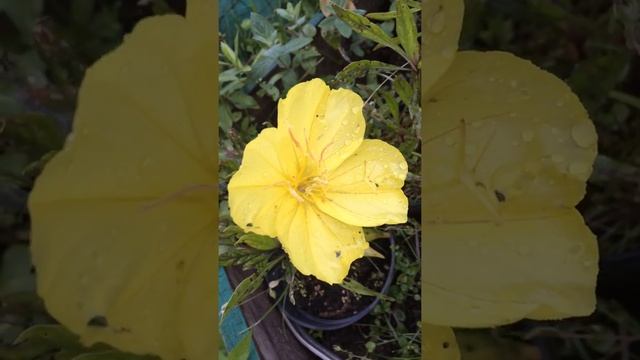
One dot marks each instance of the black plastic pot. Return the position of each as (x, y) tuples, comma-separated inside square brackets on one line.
[(309, 321), (299, 320)]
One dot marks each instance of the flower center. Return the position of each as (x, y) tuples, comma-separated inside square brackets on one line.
[(308, 187)]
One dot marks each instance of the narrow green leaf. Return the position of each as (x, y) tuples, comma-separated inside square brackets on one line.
[(360, 68), (259, 242), (407, 31), (388, 15), (356, 287), (242, 349), (371, 252), (49, 334), (392, 105), (242, 101), (246, 287), (230, 55), (404, 90), (367, 29)]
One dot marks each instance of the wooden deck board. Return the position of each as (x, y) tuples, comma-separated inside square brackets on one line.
[(272, 338)]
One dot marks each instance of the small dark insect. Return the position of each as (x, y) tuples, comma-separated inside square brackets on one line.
[(98, 321), (338, 253), (500, 196)]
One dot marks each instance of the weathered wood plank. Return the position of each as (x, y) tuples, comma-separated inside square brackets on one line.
[(272, 338)]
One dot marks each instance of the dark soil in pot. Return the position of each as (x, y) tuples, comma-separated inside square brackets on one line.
[(335, 302)]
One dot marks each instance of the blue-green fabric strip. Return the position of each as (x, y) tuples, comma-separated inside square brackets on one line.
[(234, 326)]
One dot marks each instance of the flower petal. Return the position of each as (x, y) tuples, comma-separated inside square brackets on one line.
[(259, 187), (327, 125), (132, 267), (443, 22), (503, 138), (318, 244), (440, 343), (365, 190), (484, 274), (122, 224)]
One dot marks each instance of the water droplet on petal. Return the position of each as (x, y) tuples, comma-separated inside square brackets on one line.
[(583, 134)]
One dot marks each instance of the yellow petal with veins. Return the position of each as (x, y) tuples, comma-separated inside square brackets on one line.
[(366, 189), (263, 182), (326, 125), (318, 244)]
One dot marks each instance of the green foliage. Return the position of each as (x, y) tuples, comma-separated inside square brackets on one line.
[(241, 351)]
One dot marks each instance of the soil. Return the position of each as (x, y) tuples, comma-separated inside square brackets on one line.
[(333, 301)]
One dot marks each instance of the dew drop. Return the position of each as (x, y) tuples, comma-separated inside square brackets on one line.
[(583, 134)]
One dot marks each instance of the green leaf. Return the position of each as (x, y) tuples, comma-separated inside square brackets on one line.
[(371, 252), (407, 31), (231, 56), (262, 29), (225, 117), (246, 287), (242, 101), (259, 242), (50, 334), (16, 273), (360, 68), (344, 29), (392, 105), (356, 287), (367, 29), (388, 15), (242, 350), (404, 90), (296, 44), (24, 14)]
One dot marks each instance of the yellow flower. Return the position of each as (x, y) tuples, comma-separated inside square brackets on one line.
[(313, 182), (508, 149)]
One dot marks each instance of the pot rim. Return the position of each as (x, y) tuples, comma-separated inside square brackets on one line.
[(307, 320)]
